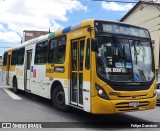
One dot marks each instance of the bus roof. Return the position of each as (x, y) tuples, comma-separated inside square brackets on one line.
[(54, 34), (64, 31)]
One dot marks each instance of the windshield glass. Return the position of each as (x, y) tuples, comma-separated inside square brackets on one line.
[(121, 59)]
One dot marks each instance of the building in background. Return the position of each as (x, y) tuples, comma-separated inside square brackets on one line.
[(0, 62), (147, 15), (30, 34)]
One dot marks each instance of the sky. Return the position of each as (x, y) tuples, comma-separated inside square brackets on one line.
[(19, 15)]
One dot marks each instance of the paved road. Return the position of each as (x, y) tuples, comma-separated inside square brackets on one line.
[(32, 108)]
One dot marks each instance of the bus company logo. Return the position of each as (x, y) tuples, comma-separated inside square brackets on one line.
[(6, 125), (114, 93)]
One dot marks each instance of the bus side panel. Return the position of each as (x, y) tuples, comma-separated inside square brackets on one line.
[(87, 97), (39, 83), (20, 76), (38, 80), (61, 77)]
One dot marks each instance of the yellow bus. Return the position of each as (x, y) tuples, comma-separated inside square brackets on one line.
[(101, 67)]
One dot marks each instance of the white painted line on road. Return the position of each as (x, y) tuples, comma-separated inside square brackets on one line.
[(11, 94), (5, 86)]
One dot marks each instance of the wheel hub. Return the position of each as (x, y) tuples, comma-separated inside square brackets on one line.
[(60, 98)]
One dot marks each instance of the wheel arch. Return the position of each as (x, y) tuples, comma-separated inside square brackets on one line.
[(15, 87), (53, 87)]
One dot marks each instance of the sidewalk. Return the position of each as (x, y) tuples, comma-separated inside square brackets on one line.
[(1, 82)]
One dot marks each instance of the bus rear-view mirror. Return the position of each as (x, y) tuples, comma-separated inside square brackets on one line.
[(94, 44)]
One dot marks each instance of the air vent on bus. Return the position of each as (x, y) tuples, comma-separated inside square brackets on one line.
[(131, 97)]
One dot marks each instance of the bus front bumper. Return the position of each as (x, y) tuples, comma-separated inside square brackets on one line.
[(102, 106)]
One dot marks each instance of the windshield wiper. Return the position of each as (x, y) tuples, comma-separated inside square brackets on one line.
[(118, 44), (136, 53)]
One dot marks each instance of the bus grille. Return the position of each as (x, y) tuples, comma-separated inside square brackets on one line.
[(124, 106), (131, 97)]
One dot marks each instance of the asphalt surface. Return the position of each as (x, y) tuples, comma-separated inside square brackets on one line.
[(32, 108)]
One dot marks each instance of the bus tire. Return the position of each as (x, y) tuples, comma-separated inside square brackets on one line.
[(58, 99), (15, 88)]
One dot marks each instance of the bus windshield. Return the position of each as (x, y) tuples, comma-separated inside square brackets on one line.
[(124, 59)]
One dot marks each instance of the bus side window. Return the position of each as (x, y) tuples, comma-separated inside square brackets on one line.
[(14, 57), (5, 59), (52, 50), (61, 50), (41, 52), (87, 63), (20, 56)]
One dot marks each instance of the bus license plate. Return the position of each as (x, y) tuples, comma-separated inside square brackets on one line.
[(134, 104)]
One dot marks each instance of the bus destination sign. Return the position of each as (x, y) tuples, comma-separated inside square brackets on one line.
[(122, 29)]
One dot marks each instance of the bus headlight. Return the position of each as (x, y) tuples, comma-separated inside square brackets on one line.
[(101, 92)]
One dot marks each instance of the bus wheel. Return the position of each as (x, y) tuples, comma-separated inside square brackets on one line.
[(15, 89), (58, 99)]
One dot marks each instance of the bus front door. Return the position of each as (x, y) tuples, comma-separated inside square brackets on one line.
[(77, 58), (28, 70)]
